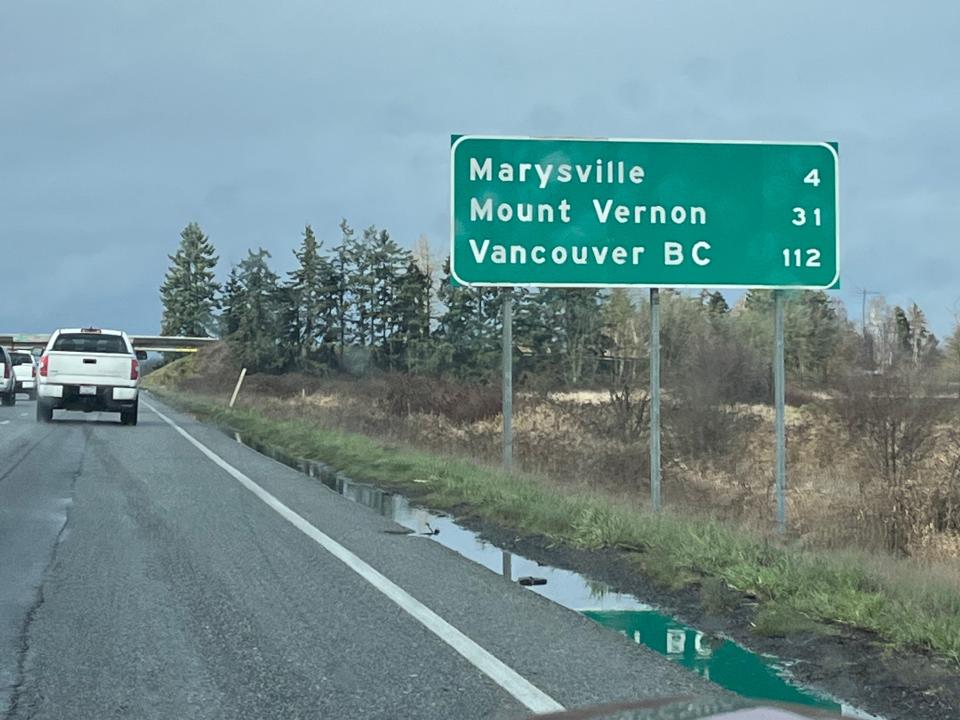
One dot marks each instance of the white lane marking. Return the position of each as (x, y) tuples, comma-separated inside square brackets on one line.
[(4, 422), (502, 674)]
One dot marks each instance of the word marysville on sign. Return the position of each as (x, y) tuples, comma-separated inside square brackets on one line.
[(667, 213)]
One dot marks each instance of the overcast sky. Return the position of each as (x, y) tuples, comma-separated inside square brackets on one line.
[(120, 122)]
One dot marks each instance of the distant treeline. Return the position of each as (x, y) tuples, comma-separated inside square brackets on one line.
[(366, 303)]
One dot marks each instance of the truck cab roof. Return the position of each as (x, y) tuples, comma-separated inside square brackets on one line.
[(88, 330)]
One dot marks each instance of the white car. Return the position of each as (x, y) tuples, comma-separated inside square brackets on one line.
[(89, 369), (25, 372), (8, 381)]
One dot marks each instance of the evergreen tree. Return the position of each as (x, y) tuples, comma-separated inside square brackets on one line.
[(821, 334), (289, 328), (411, 339), (256, 340), (362, 284), (229, 320), (189, 290), (338, 288), (812, 331), (903, 331), (534, 335), (388, 261), (577, 322), (714, 302), (468, 332), (309, 312), (922, 341)]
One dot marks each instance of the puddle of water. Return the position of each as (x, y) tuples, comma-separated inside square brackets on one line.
[(717, 658)]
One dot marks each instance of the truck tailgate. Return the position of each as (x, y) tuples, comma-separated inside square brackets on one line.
[(71, 368)]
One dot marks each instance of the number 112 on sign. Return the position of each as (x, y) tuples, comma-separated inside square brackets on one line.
[(801, 258)]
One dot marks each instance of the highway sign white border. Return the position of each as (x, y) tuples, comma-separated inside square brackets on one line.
[(836, 176)]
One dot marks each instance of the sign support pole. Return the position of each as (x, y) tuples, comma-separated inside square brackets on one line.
[(508, 379), (779, 397), (655, 398)]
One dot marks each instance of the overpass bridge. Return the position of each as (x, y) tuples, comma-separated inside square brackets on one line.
[(141, 343)]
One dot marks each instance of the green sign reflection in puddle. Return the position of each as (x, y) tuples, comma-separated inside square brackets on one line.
[(722, 661)]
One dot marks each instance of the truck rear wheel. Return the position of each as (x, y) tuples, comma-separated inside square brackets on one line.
[(44, 412), (10, 399), (129, 417)]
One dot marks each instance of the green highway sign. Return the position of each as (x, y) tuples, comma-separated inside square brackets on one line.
[(667, 213)]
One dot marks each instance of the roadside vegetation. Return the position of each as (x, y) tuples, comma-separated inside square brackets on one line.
[(368, 359)]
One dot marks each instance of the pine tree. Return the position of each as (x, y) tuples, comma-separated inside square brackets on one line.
[(921, 339), (903, 331), (821, 333), (289, 328), (232, 303), (534, 336), (338, 288), (714, 302), (256, 340), (189, 290), (309, 308), (756, 324), (388, 261), (413, 317), (576, 319), (468, 332), (362, 284)]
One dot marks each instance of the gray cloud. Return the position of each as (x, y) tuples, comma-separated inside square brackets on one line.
[(120, 122)]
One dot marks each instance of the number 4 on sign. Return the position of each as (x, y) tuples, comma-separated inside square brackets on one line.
[(813, 178)]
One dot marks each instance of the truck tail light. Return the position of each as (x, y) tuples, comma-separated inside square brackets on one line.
[(33, 370), (134, 369), (6, 371), (44, 365)]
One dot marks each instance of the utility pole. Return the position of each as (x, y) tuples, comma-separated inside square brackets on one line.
[(868, 361)]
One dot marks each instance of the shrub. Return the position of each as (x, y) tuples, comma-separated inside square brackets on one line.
[(891, 422), (459, 402)]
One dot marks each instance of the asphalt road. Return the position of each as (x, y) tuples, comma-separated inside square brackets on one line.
[(170, 572)]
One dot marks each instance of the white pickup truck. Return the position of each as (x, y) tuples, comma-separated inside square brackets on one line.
[(25, 372), (89, 369)]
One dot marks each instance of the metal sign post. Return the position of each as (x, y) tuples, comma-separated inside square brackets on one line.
[(655, 398), (508, 379), (779, 401)]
